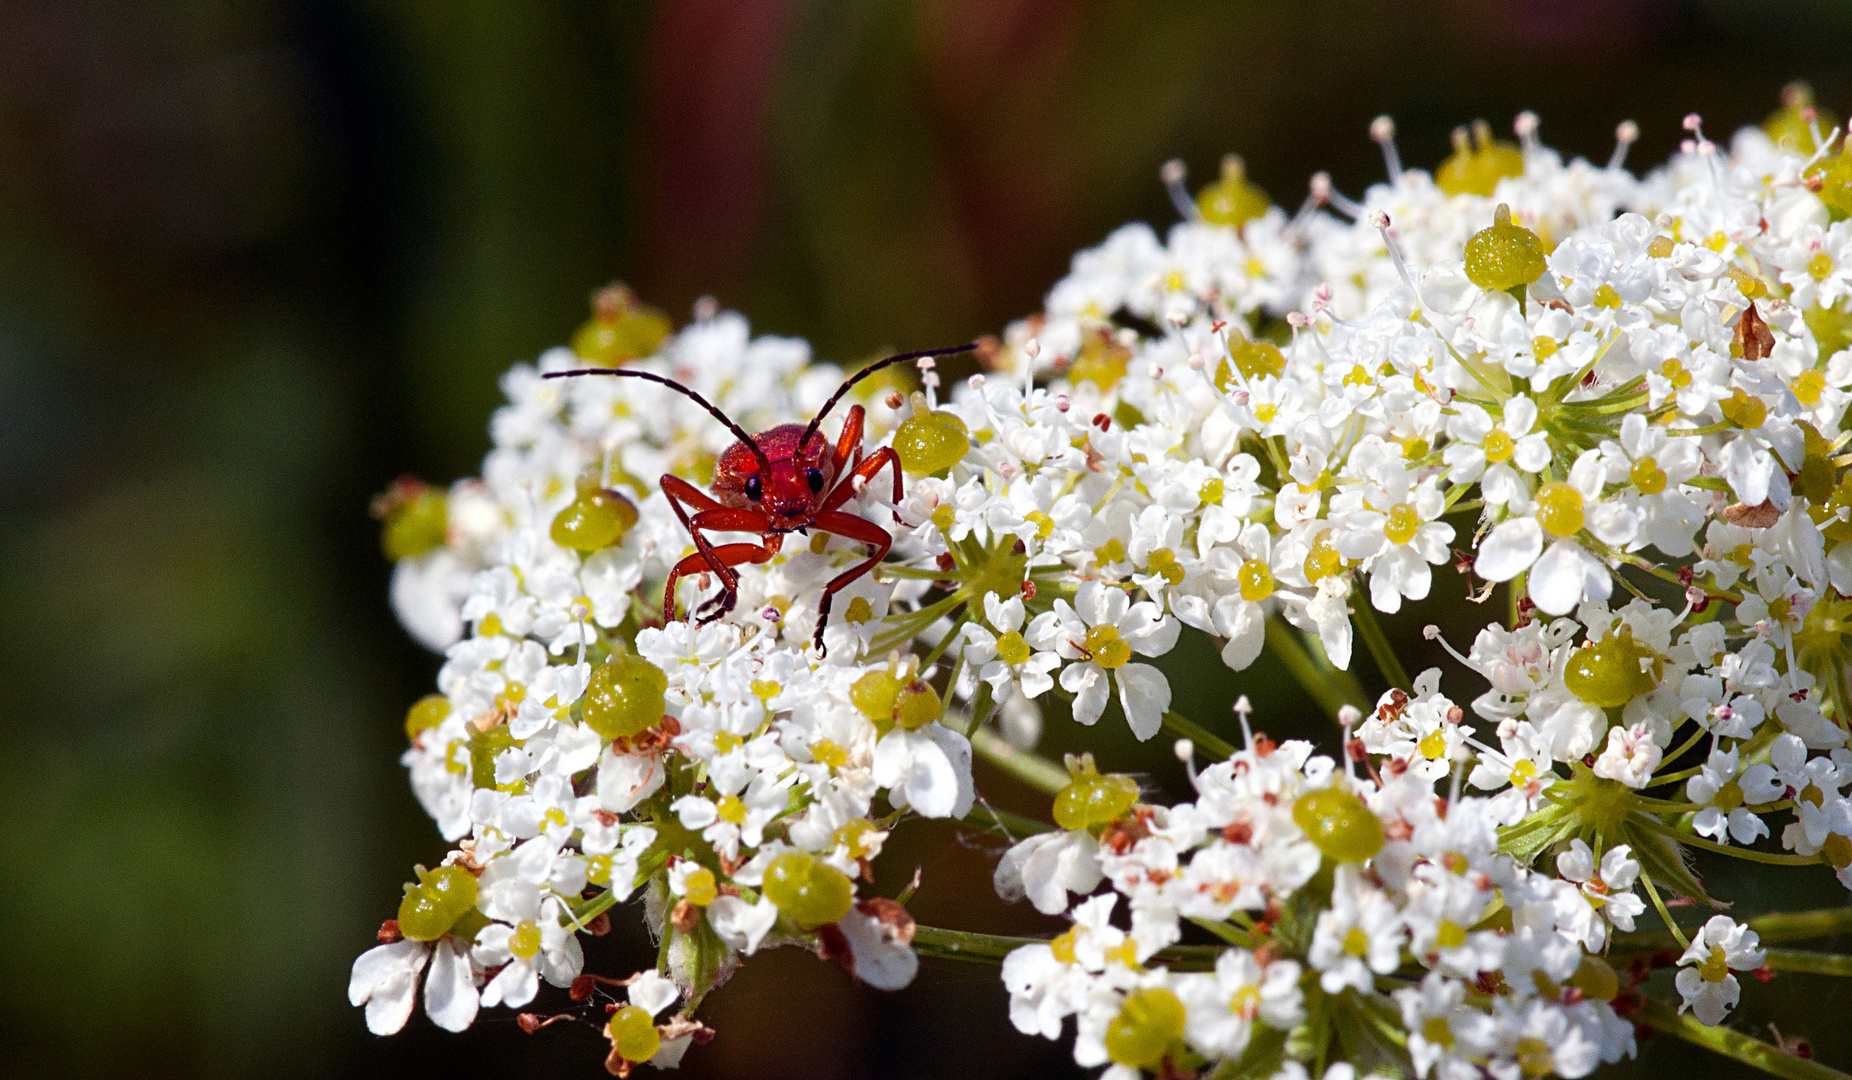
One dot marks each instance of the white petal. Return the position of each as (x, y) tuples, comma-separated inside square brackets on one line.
[(1154, 637), (653, 992), (881, 960), (1094, 604), (450, 997), (1509, 550), (1335, 637), (1046, 867), (1747, 467), (1087, 682), (1531, 453), (1839, 568), (955, 750), (1588, 473), (1144, 693), (1564, 575), (385, 980), (1520, 414), (514, 987), (740, 924), (1246, 627), (670, 1055), (1614, 523), (624, 780), (1194, 612)]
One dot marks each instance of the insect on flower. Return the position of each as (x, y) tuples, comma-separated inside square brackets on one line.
[(780, 481)]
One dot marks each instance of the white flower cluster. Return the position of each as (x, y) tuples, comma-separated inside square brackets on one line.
[(1441, 944), (1263, 428)]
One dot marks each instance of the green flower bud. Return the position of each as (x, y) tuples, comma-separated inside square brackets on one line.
[(1339, 823), (625, 697), (434, 905), (1148, 1023), (595, 520), (931, 442), (1504, 255), (808, 889)]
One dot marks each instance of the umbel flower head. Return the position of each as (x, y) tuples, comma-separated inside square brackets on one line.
[(713, 631)]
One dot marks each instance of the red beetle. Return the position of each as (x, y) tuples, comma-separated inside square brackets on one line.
[(780, 481)]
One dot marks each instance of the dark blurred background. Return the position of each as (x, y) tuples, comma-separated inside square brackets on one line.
[(258, 259)]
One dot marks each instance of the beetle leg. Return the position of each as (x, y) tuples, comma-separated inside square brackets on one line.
[(681, 491), (718, 560), (729, 519), (869, 468), (854, 528), (728, 555), (849, 442)]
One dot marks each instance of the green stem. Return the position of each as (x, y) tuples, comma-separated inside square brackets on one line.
[(607, 899), (1797, 925), (1206, 741), (909, 625), (1562, 388), (1015, 826), (1673, 778), (981, 708), (1706, 429), (1678, 935), (992, 948), (939, 650), (911, 573), (1368, 628), (593, 908), (963, 945), (1780, 926), (1768, 857), (1750, 1051), (1811, 963), (1330, 688), (1032, 769), (1682, 750), (1663, 806)]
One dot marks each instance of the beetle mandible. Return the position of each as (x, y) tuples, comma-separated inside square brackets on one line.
[(779, 481)]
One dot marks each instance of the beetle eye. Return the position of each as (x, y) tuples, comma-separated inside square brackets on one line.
[(753, 488), (815, 477)]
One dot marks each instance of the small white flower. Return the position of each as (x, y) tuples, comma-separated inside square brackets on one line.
[(1001, 655), (1103, 629), (1704, 981), (1562, 576), (1608, 892), (1631, 755), (526, 952), (1499, 454), (1724, 817), (1223, 1006), (1361, 934)]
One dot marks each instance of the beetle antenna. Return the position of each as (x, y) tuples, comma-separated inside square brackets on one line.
[(744, 437), (950, 350)]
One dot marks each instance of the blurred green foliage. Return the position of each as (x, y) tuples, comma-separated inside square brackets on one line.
[(258, 259)]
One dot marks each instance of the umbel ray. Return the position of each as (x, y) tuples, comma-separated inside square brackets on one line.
[(788, 479)]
